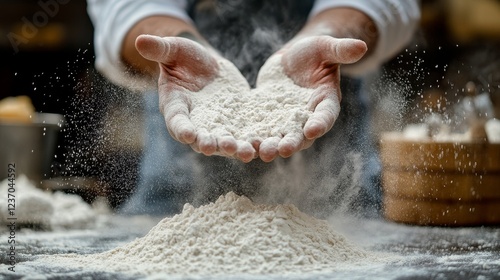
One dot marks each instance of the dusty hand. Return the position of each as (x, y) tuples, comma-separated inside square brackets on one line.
[(187, 67), (313, 62)]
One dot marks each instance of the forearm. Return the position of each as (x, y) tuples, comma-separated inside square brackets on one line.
[(342, 23), (155, 25)]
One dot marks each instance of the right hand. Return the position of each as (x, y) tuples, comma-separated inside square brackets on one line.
[(186, 67), (311, 62)]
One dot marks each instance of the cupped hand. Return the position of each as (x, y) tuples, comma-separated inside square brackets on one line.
[(312, 62), (186, 67)]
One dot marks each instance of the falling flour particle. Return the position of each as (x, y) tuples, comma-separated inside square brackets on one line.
[(275, 107), (232, 236)]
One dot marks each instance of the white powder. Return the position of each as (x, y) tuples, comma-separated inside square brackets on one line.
[(275, 107), (48, 210), (232, 236), (422, 132), (492, 128)]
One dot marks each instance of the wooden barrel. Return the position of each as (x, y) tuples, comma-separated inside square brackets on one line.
[(440, 183)]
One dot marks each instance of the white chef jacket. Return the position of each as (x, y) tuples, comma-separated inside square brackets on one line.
[(395, 20)]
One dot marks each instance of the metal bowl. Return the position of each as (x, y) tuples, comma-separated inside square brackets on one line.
[(30, 147)]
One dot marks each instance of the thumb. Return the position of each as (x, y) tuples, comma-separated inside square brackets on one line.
[(189, 58), (347, 51), (153, 47)]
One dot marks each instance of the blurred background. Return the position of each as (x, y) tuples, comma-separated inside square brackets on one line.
[(47, 55)]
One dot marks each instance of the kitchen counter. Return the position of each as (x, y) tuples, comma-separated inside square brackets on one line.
[(428, 252)]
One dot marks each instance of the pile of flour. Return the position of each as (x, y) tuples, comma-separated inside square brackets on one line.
[(232, 236), (45, 209), (277, 106)]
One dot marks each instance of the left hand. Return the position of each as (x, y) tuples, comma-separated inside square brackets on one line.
[(186, 67), (313, 62)]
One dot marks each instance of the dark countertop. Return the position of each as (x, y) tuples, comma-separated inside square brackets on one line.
[(428, 252)]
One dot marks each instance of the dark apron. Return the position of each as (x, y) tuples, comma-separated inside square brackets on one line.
[(339, 172)]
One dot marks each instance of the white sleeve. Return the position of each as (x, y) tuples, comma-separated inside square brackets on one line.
[(112, 19), (396, 21)]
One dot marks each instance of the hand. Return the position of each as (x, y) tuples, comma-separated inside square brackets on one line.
[(187, 67), (313, 62)]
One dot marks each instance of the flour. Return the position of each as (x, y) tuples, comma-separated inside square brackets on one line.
[(492, 127), (420, 132), (275, 107), (48, 210), (229, 237)]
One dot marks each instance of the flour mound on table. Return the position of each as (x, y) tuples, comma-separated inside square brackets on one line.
[(275, 108), (232, 236), (49, 210)]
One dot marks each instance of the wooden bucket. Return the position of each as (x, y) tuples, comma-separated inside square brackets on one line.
[(440, 183)]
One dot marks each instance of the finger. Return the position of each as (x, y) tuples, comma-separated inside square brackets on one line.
[(153, 47), (316, 60), (245, 151), (195, 147), (290, 144), (227, 145), (206, 142), (324, 49), (175, 109), (182, 129), (322, 119), (254, 140), (307, 144), (347, 51), (268, 149), (167, 50)]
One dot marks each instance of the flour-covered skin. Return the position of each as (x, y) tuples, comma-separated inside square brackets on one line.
[(209, 105), (312, 62), (276, 108), (186, 67)]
